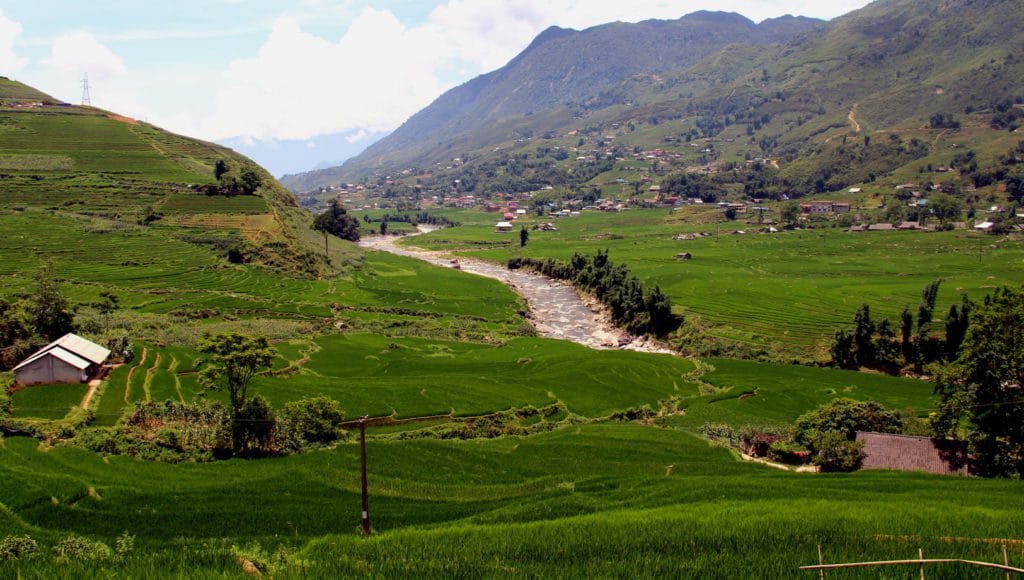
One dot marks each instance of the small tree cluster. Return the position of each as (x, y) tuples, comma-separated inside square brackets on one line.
[(878, 346), (981, 393), (829, 431), (232, 181), (42, 316), (639, 309)]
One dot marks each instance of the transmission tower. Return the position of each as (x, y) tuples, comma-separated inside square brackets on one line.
[(86, 100)]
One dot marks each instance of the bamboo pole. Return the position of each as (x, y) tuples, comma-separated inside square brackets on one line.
[(913, 562), (1006, 561), (821, 560), (920, 555)]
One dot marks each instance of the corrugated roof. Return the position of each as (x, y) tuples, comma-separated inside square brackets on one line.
[(76, 345), (58, 352), (86, 349)]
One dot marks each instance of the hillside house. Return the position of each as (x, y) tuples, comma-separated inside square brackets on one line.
[(503, 227), (822, 206), (907, 453), (69, 359)]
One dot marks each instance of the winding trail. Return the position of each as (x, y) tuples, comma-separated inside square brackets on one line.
[(853, 118), (556, 309)]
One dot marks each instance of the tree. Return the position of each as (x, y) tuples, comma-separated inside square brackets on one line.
[(980, 393), (312, 421), (219, 169), (49, 310), (254, 427), (250, 181), (863, 336), (945, 207), (730, 213), (789, 212), (107, 306), (846, 416), (524, 236), (337, 221), (234, 360)]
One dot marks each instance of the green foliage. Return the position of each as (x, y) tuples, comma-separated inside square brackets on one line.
[(980, 392), (337, 221), (234, 359), (845, 417), (50, 312), (254, 427), (835, 452), (639, 310), (78, 548), (313, 421), (524, 236), (18, 547)]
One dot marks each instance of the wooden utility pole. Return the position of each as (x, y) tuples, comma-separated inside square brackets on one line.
[(362, 456)]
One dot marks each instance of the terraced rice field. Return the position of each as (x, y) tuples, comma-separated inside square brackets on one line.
[(785, 293)]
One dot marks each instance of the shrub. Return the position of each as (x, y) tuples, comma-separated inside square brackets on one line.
[(316, 420), (124, 545), (846, 416), (77, 548), (785, 451), (758, 440), (834, 452), (17, 547)]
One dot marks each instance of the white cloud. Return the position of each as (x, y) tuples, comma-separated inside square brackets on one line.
[(10, 62), (381, 70), (80, 52), (299, 85)]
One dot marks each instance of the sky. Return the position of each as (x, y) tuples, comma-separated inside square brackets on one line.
[(302, 75)]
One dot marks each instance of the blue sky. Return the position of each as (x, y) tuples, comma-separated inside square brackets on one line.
[(293, 71)]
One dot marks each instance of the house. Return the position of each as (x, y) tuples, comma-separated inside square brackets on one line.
[(908, 226), (907, 453), (880, 228), (858, 228), (69, 359), (503, 227), (984, 226)]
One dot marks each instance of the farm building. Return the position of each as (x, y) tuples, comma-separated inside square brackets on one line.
[(906, 453), (69, 359), (503, 227)]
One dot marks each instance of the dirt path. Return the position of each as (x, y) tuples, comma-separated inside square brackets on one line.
[(93, 385), (556, 309), (853, 118)]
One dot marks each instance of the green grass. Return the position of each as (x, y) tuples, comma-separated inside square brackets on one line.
[(784, 293), (598, 500), (47, 401)]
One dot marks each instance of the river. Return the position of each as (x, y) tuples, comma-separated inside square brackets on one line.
[(556, 309)]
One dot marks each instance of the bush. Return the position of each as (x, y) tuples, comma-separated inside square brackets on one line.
[(846, 416), (17, 547), (785, 451), (758, 440), (834, 452), (311, 421), (77, 548)]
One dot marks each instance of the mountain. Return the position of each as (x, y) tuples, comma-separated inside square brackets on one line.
[(913, 74), (565, 69), (107, 173)]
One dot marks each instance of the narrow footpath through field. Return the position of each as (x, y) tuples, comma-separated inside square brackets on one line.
[(556, 309)]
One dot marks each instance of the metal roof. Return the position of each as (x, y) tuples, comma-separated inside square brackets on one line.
[(58, 352), (75, 345)]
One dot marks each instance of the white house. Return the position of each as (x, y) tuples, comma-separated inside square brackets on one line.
[(69, 359), (503, 227)]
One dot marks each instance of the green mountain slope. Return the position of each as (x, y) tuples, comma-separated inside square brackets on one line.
[(791, 90), (562, 70), (58, 160)]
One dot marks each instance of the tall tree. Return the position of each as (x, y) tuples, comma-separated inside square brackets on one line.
[(234, 359), (337, 221), (52, 316), (981, 393), (524, 236)]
